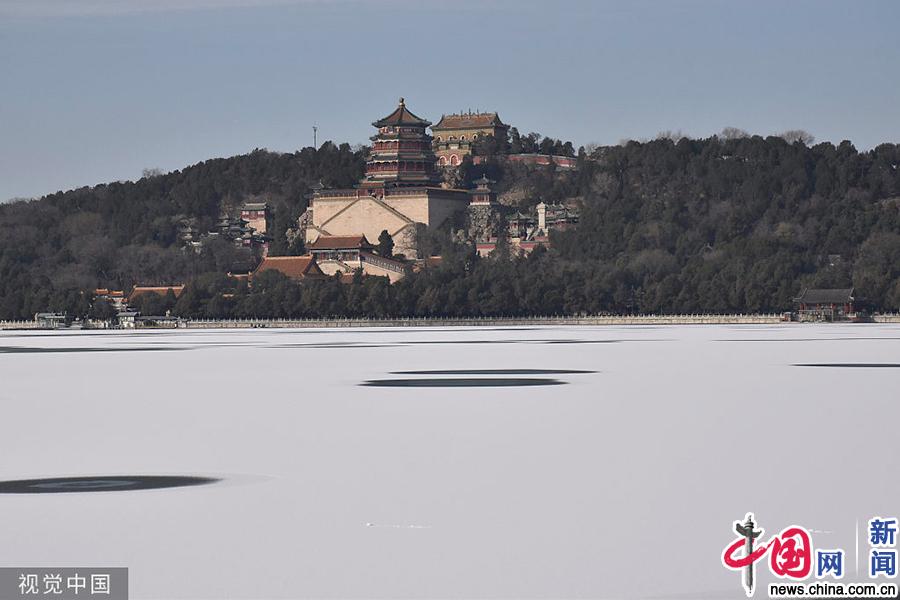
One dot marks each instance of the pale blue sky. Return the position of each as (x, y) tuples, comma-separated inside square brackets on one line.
[(96, 90)]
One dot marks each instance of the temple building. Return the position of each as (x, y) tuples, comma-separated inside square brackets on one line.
[(160, 290), (347, 254), (400, 193), (826, 304), (115, 297), (523, 231), (454, 135), (256, 214), (296, 268), (485, 218)]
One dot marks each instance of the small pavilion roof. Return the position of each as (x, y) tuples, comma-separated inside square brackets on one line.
[(340, 242), (826, 296), (401, 116)]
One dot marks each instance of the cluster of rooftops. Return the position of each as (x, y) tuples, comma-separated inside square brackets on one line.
[(462, 120), (294, 267)]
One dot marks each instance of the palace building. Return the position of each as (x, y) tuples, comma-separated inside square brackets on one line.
[(347, 254), (401, 191), (292, 267), (826, 304), (257, 216), (454, 135), (160, 290)]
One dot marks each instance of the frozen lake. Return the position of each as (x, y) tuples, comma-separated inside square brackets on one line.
[(341, 475)]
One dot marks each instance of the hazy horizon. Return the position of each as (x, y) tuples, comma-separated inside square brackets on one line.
[(98, 90)]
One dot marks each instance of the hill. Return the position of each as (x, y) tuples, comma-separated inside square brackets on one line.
[(118, 234), (739, 225), (712, 225)]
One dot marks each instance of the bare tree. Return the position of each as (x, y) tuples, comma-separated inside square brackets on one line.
[(675, 136), (154, 172), (733, 133), (626, 141), (797, 135)]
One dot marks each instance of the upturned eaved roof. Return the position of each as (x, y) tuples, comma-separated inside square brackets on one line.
[(469, 121), (340, 242), (162, 290), (826, 296), (401, 116), (109, 293), (255, 206), (294, 267)]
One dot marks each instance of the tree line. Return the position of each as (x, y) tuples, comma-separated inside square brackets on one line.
[(722, 224), (120, 234)]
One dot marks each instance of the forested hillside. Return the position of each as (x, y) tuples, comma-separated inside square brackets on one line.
[(119, 234), (713, 225), (737, 225)]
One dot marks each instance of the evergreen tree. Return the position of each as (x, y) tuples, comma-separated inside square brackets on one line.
[(385, 245)]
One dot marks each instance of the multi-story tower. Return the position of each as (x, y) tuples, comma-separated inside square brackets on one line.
[(401, 151), (400, 194)]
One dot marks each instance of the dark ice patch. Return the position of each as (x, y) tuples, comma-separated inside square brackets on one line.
[(562, 341), (440, 342), (582, 341), (335, 345), (495, 372), (32, 350), (831, 339), (852, 365), (103, 483), (462, 382)]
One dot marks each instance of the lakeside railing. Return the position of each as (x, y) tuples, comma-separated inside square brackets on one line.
[(886, 318), (20, 325), (698, 319), (346, 322)]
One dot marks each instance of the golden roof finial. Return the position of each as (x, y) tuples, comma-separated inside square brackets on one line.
[(401, 100)]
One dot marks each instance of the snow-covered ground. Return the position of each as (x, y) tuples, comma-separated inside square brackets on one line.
[(619, 482)]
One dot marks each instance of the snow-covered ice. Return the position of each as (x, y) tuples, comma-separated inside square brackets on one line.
[(331, 488)]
